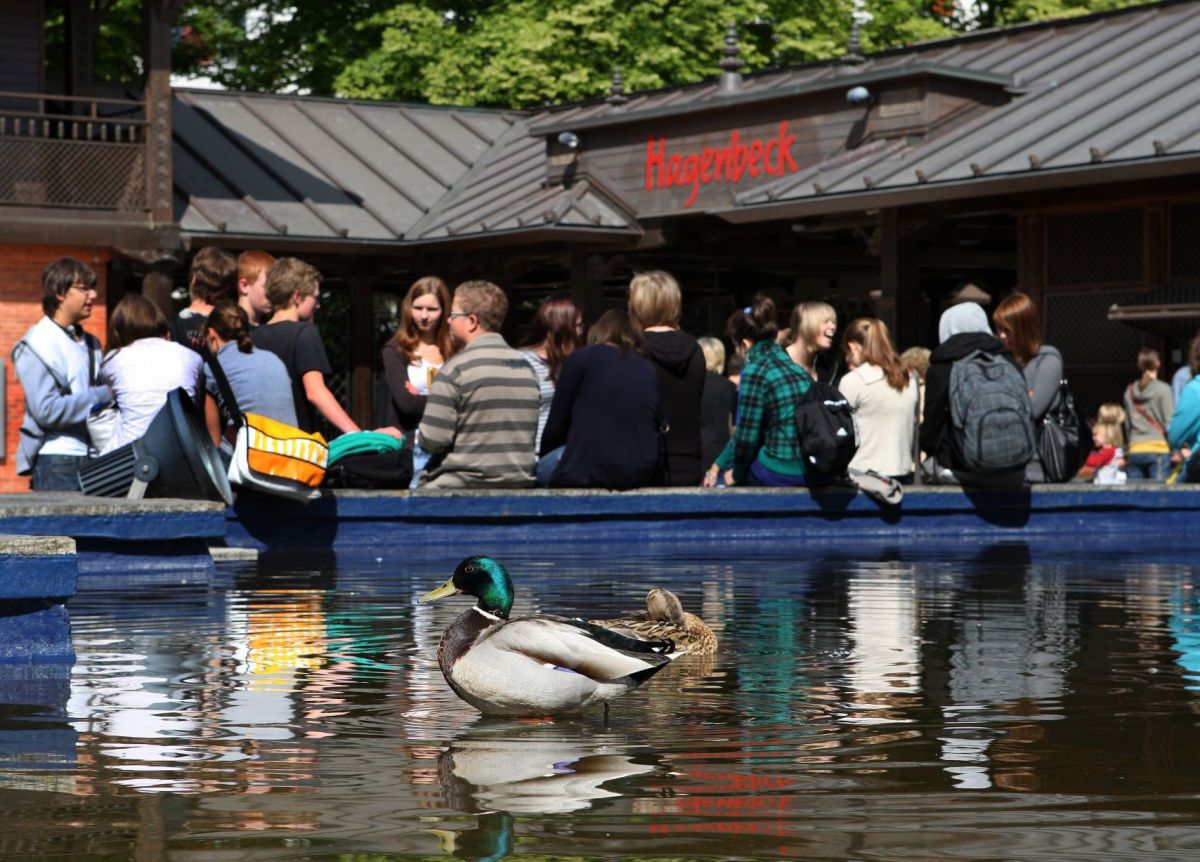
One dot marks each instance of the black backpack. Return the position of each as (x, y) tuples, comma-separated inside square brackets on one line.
[(827, 430), (379, 470)]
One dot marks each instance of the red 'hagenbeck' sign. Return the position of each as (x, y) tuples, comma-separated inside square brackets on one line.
[(727, 164)]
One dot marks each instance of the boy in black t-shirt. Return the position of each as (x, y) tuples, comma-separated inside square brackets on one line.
[(294, 290)]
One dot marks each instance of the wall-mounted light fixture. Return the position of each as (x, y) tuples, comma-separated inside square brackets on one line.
[(570, 140), (859, 96)]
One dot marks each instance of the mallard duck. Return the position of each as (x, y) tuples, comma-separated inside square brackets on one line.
[(538, 665), (665, 618)]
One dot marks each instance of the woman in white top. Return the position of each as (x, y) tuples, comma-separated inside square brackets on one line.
[(883, 397), (415, 353), (556, 333), (144, 366), (413, 357)]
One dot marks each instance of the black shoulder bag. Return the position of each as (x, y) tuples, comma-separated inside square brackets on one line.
[(1063, 438)]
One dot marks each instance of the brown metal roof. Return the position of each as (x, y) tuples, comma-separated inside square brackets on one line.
[(320, 168), (1113, 95), (1096, 92), (507, 191)]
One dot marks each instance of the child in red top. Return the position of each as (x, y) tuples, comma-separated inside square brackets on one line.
[(1107, 457)]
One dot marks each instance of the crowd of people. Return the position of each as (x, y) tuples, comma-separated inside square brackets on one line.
[(631, 401)]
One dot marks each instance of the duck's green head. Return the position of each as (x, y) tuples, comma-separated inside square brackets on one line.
[(482, 577)]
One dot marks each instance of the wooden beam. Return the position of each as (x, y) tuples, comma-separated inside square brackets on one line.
[(157, 16), (78, 48), (586, 286), (362, 366), (1031, 257), (899, 304)]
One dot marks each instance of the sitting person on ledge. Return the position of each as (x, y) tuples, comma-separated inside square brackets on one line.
[(482, 414), (144, 366), (765, 446), (605, 425), (963, 330)]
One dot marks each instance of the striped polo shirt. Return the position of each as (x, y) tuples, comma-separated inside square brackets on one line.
[(481, 419)]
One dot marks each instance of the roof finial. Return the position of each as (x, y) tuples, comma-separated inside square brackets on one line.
[(858, 17), (731, 78), (616, 96)]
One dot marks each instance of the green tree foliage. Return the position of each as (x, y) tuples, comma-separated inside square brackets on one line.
[(517, 53), (116, 45), (1000, 13), (275, 45), (529, 52)]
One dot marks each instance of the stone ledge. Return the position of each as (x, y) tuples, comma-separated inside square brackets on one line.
[(36, 546)]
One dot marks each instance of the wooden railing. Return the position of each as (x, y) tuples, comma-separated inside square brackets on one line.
[(72, 152)]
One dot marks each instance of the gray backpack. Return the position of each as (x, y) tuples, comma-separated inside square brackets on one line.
[(991, 418)]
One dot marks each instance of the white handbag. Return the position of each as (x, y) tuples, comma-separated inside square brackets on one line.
[(101, 424)]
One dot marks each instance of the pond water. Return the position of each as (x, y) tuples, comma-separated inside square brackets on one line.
[(871, 703)]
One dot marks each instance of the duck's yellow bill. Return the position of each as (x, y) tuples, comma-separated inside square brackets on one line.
[(446, 589)]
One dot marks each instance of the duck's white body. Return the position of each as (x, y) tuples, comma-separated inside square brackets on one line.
[(536, 665)]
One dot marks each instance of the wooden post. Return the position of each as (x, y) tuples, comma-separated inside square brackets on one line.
[(586, 287), (362, 344), (1156, 245), (78, 49), (157, 16), (1031, 258), (899, 303)]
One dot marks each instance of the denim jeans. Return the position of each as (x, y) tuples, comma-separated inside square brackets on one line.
[(56, 473), (546, 466), (1148, 466)]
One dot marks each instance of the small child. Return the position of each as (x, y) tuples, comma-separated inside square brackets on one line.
[(1108, 435)]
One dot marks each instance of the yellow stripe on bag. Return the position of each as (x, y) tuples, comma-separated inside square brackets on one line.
[(277, 449)]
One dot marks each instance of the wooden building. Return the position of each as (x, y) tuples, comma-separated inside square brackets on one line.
[(1059, 157)]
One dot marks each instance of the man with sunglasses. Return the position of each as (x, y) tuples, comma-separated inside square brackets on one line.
[(58, 366)]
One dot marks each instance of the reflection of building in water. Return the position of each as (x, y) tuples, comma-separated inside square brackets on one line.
[(1012, 649)]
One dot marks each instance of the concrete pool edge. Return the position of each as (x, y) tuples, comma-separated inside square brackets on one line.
[(116, 535), (359, 519)]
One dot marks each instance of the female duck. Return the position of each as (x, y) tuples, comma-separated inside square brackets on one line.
[(663, 619), (534, 665)]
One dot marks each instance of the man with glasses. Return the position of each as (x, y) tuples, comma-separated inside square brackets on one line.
[(482, 413), (58, 366)]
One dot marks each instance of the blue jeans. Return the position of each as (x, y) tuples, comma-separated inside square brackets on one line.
[(1150, 466), (546, 466), (56, 473)]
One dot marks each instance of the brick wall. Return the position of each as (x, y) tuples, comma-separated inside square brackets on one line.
[(20, 307)]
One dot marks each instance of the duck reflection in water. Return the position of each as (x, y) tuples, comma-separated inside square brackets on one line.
[(491, 840), (539, 769)]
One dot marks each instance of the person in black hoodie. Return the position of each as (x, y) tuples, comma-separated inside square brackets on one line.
[(962, 330), (656, 303)]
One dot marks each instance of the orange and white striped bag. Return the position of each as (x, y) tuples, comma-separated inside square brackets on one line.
[(279, 459)]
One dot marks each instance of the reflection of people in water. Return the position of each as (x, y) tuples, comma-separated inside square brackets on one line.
[(1011, 650)]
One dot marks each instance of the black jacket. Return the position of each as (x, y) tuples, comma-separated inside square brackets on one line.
[(935, 428), (679, 365)]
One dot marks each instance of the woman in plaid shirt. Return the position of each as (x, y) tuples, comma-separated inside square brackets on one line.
[(764, 449)]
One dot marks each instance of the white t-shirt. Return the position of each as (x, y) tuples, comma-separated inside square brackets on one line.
[(886, 420), (421, 374), (141, 375)]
